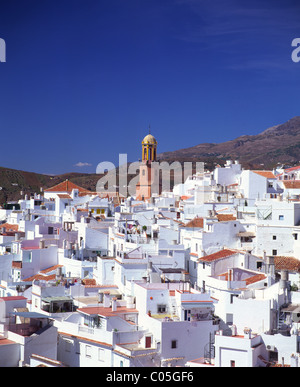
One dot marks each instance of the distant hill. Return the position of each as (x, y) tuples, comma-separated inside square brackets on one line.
[(13, 181), (278, 144)]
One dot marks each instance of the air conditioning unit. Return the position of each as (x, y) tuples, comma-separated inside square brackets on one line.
[(271, 348)]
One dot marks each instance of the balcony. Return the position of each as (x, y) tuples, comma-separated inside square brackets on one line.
[(24, 329), (27, 323)]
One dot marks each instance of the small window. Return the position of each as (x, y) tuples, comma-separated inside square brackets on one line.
[(258, 265), (229, 318), (232, 363), (295, 236), (101, 354), (174, 344), (274, 237), (88, 351), (161, 308), (274, 252), (281, 217)]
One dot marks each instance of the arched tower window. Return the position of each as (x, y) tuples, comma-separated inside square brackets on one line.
[(149, 146)]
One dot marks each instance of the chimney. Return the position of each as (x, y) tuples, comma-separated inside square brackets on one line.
[(114, 304), (58, 274), (100, 297), (284, 279), (271, 266), (106, 303), (247, 333)]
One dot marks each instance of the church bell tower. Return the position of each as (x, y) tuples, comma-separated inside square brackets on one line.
[(148, 171)]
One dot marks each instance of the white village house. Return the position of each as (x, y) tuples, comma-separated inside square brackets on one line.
[(205, 274)]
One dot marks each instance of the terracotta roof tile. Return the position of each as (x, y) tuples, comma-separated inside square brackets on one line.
[(84, 193), (250, 280), (40, 277), (64, 196), (225, 217), (93, 310), (218, 255), (49, 269), (4, 341), (196, 222), (17, 264), (255, 278), (287, 263), (66, 186), (291, 184), (292, 169), (9, 227), (85, 338), (267, 174), (185, 197), (89, 281)]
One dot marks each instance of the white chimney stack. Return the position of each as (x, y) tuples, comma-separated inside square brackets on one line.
[(114, 304), (106, 303)]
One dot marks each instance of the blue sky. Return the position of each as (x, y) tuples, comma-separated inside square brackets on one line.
[(83, 79)]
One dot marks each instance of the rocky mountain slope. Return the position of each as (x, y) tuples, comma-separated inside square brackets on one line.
[(278, 144)]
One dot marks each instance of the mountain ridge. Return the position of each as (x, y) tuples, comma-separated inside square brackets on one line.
[(274, 145), (277, 144)]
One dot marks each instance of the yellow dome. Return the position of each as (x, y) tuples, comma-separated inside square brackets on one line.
[(149, 139)]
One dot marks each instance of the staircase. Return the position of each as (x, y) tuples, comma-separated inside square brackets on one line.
[(265, 214), (173, 308), (281, 326), (209, 349)]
